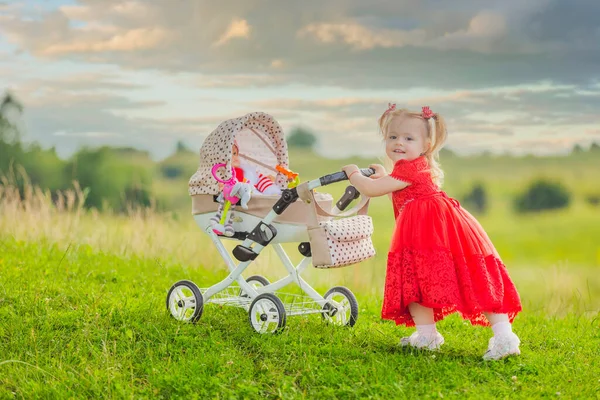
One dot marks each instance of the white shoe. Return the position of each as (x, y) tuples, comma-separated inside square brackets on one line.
[(503, 346), (423, 342)]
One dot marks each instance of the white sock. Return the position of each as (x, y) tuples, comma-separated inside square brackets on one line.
[(427, 330), (503, 328)]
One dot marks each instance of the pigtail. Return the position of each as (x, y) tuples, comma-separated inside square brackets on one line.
[(383, 123), (437, 136)]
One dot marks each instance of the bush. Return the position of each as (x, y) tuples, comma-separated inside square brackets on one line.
[(171, 171), (44, 168), (114, 181), (593, 199), (477, 199), (577, 149), (543, 195), (300, 137)]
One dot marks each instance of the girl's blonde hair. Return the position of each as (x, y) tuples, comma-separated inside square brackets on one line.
[(436, 135)]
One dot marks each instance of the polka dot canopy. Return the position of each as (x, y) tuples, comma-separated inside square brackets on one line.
[(217, 149)]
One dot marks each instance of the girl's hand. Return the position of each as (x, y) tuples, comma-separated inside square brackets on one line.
[(348, 169), (379, 171)]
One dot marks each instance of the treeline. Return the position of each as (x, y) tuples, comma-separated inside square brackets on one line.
[(118, 179), (540, 195), (109, 180), (112, 178)]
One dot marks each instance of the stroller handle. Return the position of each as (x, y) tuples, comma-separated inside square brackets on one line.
[(341, 176)]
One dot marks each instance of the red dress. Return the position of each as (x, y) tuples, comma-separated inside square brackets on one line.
[(440, 256)]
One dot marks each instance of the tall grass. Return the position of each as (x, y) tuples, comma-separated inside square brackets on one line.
[(59, 218)]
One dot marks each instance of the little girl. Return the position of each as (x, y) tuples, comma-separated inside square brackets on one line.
[(440, 259)]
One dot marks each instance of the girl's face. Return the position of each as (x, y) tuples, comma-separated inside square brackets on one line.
[(406, 138)]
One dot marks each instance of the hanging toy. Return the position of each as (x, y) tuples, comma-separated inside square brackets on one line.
[(292, 177), (220, 227)]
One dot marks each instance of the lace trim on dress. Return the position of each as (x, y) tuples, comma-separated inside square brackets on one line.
[(448, 283)]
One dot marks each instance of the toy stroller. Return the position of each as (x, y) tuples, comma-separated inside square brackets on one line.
[(328, 236)]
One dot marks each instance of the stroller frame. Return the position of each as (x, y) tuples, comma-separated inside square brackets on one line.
[(262, 299)]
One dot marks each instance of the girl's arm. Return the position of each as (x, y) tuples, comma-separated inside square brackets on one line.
[(373, 187)]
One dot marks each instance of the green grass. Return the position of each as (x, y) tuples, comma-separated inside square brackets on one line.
[(86, 324)]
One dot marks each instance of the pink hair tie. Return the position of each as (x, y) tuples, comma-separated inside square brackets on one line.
[(391, 107), (426, 112)]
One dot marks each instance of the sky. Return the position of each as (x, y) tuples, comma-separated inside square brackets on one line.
[(515, 76)]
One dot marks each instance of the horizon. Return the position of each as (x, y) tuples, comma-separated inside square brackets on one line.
[(510, 77), (485, 153)]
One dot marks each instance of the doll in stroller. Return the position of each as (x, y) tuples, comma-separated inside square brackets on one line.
[(328, 236)]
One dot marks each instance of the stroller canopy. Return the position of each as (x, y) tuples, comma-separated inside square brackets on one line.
[(260, 141)]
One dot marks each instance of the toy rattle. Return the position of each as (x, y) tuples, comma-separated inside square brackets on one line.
[(227, 187)]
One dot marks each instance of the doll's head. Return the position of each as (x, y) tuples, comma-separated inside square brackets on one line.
[(235, 155), (408, 135)]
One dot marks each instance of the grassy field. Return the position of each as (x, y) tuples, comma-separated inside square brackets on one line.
[(82, 310), (90, 324)]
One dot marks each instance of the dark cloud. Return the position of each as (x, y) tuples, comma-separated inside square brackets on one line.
[(571, 24), (382, 44)]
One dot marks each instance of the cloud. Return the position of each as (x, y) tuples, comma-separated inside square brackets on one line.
[(87, 134), (81, 82), (484, 30), (96, 91), (343, 43), (360, 37), (135, 39), (238, 81), (278, 63), (239, 28)]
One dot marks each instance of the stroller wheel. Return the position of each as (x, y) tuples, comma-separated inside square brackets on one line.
[(255, 281), (342, 308), (267, 314), (184, 301)]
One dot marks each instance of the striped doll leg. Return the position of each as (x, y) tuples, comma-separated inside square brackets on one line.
[(215, 220), (228, 226)]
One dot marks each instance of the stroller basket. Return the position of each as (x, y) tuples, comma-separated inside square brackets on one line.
[(294, 304)]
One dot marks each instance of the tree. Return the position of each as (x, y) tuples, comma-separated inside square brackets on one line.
[(543, 195), (300, 137), (577, 149), (9, 132), (446, 153), (11, 152), (113, 181), (477, 198), (595, 148), (181, 147)]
